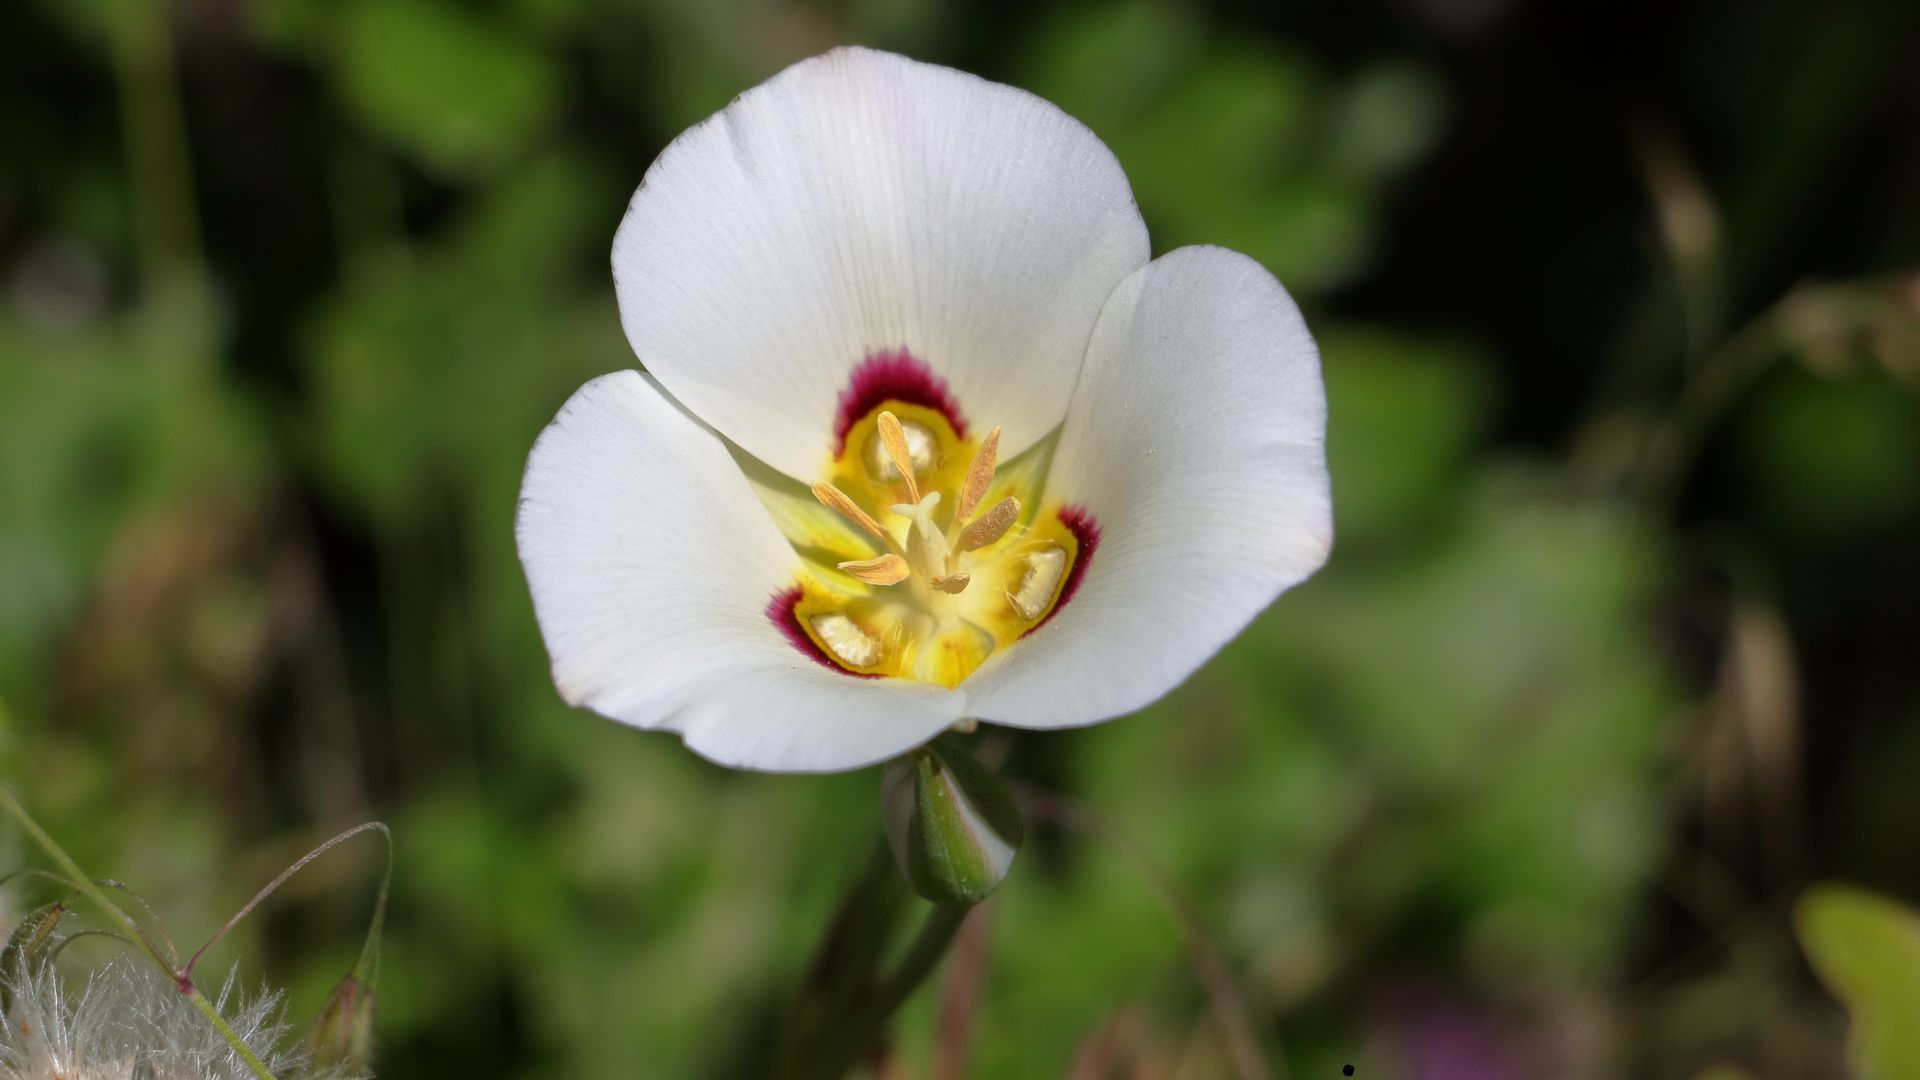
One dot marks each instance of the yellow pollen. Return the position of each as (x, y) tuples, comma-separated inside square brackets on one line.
[(990, 526), (834, 499), (979, 475), (942, 560), (896, 442), (888, 569), (922, 446)]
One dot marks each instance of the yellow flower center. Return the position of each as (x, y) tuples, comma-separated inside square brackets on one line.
[(923, 553)]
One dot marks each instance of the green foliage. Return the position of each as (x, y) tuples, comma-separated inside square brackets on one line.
[(1831, 458), (257, 572), (1867, 950), (455, 90), (1240, 141)]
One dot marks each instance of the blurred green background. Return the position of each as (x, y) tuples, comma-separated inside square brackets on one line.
[(1617, 655)]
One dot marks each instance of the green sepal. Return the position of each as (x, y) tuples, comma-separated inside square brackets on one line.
[(343, 1032), (954, 834)]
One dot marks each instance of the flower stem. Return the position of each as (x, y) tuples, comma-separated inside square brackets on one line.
[(193, 994), (134, 930), (846, 1041)]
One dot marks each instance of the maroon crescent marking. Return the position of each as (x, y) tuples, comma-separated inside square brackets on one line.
[(782, 611), (1086, 532), (893, 375)]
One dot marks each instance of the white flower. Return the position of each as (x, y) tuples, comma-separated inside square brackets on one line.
[(923, 434), (129, 1022)]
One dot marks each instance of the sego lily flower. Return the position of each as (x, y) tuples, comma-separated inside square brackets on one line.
[(923, 435)]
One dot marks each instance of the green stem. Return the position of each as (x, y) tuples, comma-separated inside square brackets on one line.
[(135, 932), (844, 961), (367, 968), (847, 1041), (155, 129), (219, 1023)]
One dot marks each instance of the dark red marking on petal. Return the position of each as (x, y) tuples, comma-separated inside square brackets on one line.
[(893, 375), (782, 609), (1086, 533)]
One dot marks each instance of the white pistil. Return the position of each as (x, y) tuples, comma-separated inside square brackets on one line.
[(927, 548)]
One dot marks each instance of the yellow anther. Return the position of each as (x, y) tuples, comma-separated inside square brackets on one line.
[(896, 443), (885, 570), (979, 475), (991, 525), (834, 499), (960, 564)]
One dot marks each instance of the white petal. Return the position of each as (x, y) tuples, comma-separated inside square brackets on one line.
[(857, 202), (1197, 439), (652, 565)]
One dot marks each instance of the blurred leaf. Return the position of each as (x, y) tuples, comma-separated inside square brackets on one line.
[(1245, 143), (1107, 63), (100, 20), (98, 425), (1387, 119), (1404, 415), (454, 90), (1867, 950), (1833, 457), (448, 363)]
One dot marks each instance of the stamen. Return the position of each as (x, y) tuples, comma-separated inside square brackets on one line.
[(990, 526), (922, 447), (886, 570), (940, 513), (896, 442), (979, 475), (834, 499)]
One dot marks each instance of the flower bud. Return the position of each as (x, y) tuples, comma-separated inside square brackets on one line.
[(951, 823), (27, 947), (343, 1032)]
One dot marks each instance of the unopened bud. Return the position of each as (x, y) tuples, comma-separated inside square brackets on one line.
[(951, 823), (343, 1032), (26, 947)]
